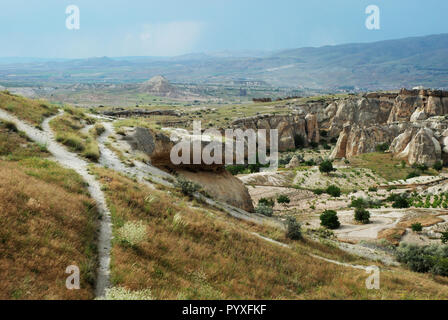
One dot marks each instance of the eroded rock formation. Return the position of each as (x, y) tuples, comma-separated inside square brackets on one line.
[(214, 179)]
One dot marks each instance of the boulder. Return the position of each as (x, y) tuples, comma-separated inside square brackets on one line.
[(312, 128), (293, 163), (418, 115), (424, 148)]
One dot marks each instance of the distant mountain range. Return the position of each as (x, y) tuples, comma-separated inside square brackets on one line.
[(365, 66)]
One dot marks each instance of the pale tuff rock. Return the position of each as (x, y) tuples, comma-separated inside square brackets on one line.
[(358, 140), (288, 126), (293, 163), (214, 179), (340, 150), (401, 142), (434, 106), (312, 128), (424, 148), (418, 115)]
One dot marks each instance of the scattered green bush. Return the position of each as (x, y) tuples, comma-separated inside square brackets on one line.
[(417, 227), (329, 219), (266, 202), (373, 189), (318, 191), (382, 147), (293, 230), (444, 237), (186, 186), (413, 174), (326, 167), (365, 203), (334, 191), (283, 199), (264, 210), (400, 202), (431, 258), (362, 215), (11, 126), (438, 166)]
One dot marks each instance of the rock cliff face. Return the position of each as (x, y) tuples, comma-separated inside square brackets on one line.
[(361, 122), (289, 128), (214, 179), (411, 122)]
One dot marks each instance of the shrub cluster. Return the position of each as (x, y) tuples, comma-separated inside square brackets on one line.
[(431, 258), (186, 186), (266, 202), (329, 219), (326, 166), (362, 215), (283, 199), (264, 210), (293, 229)]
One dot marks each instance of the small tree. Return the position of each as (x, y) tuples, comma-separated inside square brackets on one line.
[(362, 215), (329, 219), (417, 227), (400, 202), (334, 191), (382, 147), (438, 166), (293, 230), (326, 167), (266, 202), (444, 237), (283, 199)]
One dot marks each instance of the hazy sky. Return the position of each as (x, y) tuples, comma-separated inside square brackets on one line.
[(37, 28)]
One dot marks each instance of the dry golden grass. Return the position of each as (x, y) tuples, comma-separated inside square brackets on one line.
[(33, 111), (392, 235), (47, 222), (426, 221), (68, 132), (192, 253)]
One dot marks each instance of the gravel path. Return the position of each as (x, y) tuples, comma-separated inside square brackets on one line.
[(72, 161)]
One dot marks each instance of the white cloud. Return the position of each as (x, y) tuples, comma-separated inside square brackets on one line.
[(165, 39)]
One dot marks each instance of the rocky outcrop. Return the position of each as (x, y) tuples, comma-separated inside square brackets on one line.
[(312, 128), (293, 163), (424, 148), (355, 140), (214, 179), (159, 86), (140, 113), (222, 186), (289, 127)]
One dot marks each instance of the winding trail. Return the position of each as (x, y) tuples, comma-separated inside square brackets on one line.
[(142, 171), (72, 161)]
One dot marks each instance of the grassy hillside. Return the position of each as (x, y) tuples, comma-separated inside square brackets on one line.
[(48, 222), (68, 129), (181, 250), (33, 111)]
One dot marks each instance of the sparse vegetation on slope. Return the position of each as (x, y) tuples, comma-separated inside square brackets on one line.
[(47, 224), (68, 132), (198, 253), (33, 111)]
